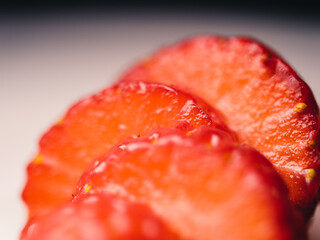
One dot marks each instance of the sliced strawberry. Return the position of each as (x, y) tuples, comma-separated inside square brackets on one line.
[(93, 125), (98, 217), (261, 97), (200, 183)]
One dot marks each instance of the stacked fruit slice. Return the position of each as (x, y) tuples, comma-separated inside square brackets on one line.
[(93, 125), (177, 160), (262, 99), (201, 185), (99, 217)]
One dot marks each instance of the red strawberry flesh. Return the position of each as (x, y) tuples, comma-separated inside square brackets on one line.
[(263, 100), (202, 185), (93, 125), (98, 217)]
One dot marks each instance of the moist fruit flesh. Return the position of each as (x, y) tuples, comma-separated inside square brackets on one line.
[(200, 183), (93, 125), (98, 217), (263, 100)]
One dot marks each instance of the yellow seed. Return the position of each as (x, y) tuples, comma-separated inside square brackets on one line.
[(267, 56), (300, 107), (147, 62), (87, 189), (188, 134), (154, 141), (312, 143), (310, 174), (118, 91), (222, 41), (208, 146), (38, 159), (227, 157), (61, 121)]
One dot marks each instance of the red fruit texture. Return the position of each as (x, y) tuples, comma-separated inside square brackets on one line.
[(200, 183), (98, 217), (93, 125), (263, 100)]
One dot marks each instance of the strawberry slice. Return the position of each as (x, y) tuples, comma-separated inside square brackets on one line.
[(200, 183), (262, 98), (98, 217), (93, 125)]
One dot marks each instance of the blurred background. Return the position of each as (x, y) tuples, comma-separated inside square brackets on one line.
[(52, 53)]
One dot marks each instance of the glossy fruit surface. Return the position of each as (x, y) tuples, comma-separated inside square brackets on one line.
[(98, 217), (93, 125), (261, 97), (200, 183)]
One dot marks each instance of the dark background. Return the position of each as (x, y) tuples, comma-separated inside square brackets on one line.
[(307, 10)]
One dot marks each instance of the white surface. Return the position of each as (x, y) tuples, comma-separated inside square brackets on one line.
[(46, 65)]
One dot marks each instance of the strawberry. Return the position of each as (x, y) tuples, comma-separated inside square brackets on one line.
[(200, 183), (93, 125), (263, 100), (98, 217)]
